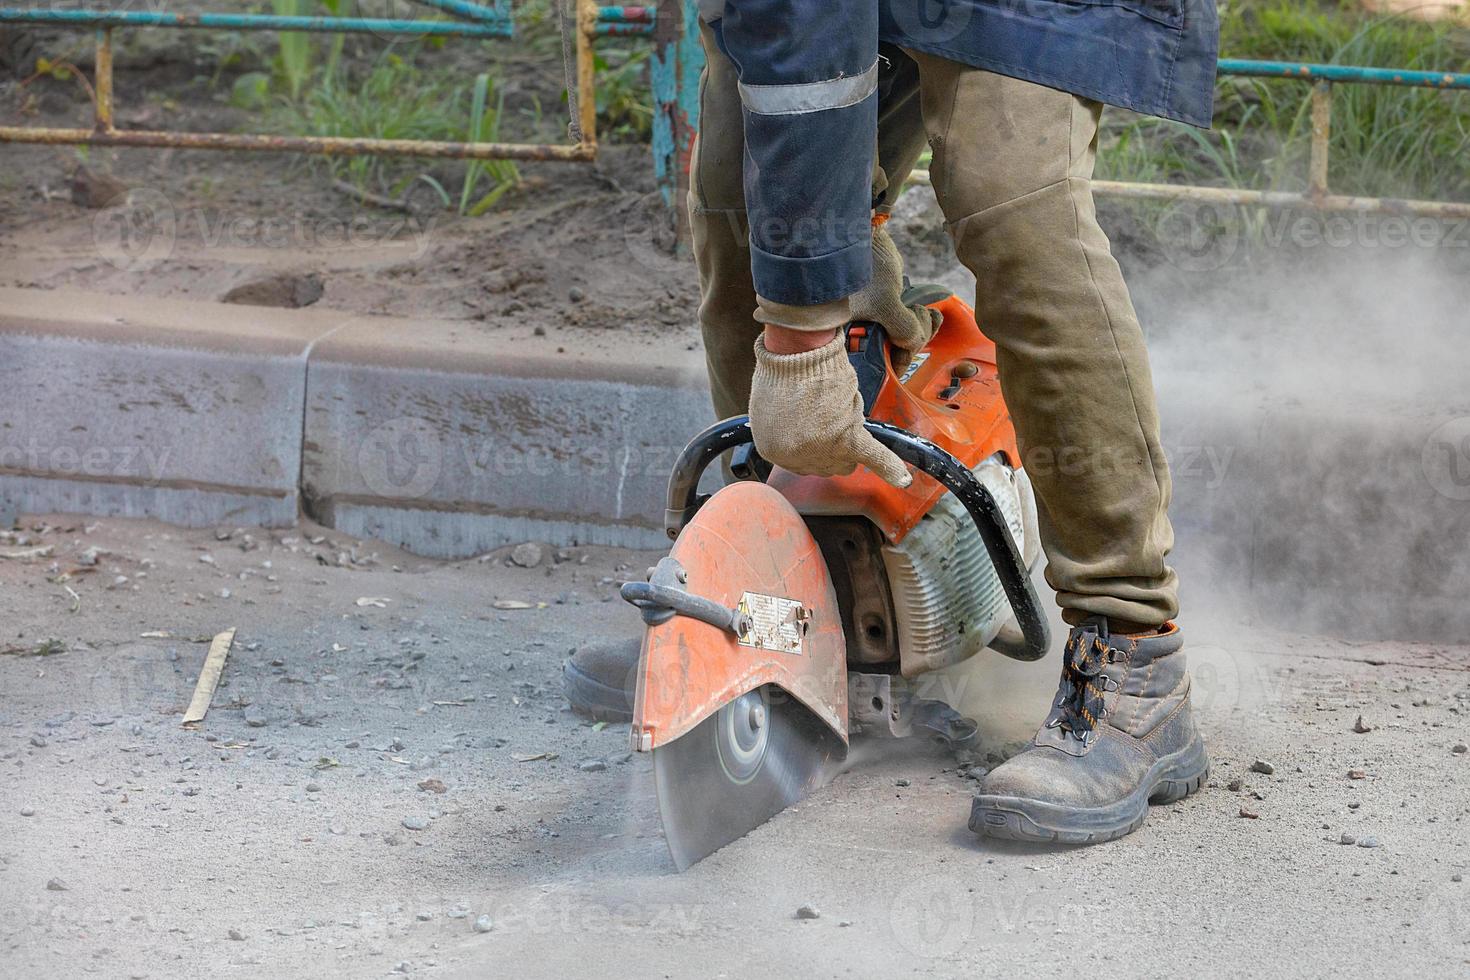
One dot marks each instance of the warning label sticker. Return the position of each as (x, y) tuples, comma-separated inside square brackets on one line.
[(775, 623)]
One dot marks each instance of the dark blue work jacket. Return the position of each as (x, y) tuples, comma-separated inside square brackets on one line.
[(1152, 56), (808, 73)]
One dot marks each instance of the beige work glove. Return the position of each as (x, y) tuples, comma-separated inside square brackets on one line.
[(881, 301), (807, 416)]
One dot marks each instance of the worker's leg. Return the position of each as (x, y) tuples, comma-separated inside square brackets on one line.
[(719, 227), (1012, 170), (717, 214)]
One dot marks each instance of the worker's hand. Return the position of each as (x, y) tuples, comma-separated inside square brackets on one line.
[(807, 416), (881, 301)]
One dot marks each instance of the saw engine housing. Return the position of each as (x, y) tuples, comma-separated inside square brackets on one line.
[(793, 609)]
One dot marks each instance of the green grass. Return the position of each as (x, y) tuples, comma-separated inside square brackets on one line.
[(502, 175), (1386, 140), (392, 99)]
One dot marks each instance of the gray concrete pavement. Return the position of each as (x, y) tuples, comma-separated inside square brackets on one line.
[(285, 819)]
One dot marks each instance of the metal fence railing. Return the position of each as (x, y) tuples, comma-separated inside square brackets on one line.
[(678, 59), (468, 20), (674, 72)]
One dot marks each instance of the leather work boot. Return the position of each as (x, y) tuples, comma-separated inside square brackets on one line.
[(1119, 737), (599, 679)]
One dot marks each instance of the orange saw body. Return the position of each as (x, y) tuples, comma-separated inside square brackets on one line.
[(792, 611)]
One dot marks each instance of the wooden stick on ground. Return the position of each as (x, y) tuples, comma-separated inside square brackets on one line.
[(214, 665)]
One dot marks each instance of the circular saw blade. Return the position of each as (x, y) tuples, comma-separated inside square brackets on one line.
[(737, 768)]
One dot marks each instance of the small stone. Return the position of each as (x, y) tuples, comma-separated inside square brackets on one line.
[(432, 785), (1460, 749), (237, 935), (424, 916), (1356, 774), (901, 782), (38, 741), (808, 912), (1234, 785), (1347, 840), (1369, 842), (415, 822), (458, 912), (1249, 814), (56, 885), (254, 719), (1361, 728), (526, 555), (576, 294), (26, 811), (1263, 767), (336, 829), (593, 765), (313, 787), (401, 966), (1456, 878), (484, 924)]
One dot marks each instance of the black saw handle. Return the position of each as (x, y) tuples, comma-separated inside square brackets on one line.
[(685, 499)]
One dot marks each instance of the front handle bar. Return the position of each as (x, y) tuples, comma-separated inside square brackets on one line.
[(685, 499)]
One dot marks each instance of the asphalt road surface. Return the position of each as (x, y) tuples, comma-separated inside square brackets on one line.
[(389, 783)]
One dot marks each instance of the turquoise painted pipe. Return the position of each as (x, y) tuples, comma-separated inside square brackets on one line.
[(1344, 73), (484, 27)]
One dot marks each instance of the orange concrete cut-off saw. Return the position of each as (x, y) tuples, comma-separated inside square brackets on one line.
[(795, 611)]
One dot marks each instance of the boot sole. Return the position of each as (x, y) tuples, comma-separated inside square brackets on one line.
[(1170, 780), (594, 699)]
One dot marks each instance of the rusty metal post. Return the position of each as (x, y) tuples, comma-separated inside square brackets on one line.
[(103, 87), (1321, 134), (587, 17), (674, 69)]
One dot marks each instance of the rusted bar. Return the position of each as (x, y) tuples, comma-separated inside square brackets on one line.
[(336, 145), (588, 12), (1280, 199), (1321, 132), (103, 86), (1267, 199)]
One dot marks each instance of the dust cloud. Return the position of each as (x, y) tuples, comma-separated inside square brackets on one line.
[(1312, 377)]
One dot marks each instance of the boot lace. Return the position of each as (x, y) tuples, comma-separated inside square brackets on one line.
[(1079, 705)]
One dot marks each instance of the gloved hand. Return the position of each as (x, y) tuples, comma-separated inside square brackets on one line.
[(908, 327), (807, 416)]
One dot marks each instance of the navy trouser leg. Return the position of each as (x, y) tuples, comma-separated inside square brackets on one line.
[(808, 89)]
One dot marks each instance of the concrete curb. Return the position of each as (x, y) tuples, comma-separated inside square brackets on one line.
[(449, 440), (428, 435), (127, 406)]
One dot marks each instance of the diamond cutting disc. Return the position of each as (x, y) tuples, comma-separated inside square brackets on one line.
[(751, 759)]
